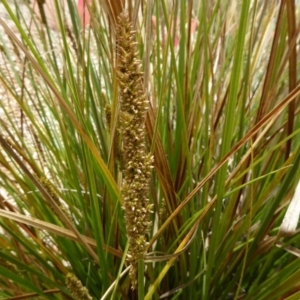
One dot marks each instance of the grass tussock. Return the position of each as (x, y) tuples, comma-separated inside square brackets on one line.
[(151, 154)]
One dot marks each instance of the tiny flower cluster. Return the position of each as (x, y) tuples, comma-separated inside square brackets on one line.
[(75, 286), (137, 163), (10, 266), (48, 186)]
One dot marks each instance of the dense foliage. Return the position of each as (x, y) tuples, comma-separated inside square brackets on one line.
[(151, 154)]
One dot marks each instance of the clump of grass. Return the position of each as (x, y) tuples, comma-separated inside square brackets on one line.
[(158, 148)]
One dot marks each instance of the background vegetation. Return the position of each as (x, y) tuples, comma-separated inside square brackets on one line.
[(222, 124)]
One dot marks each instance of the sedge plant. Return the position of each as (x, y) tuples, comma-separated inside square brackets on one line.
[(149, 150)]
